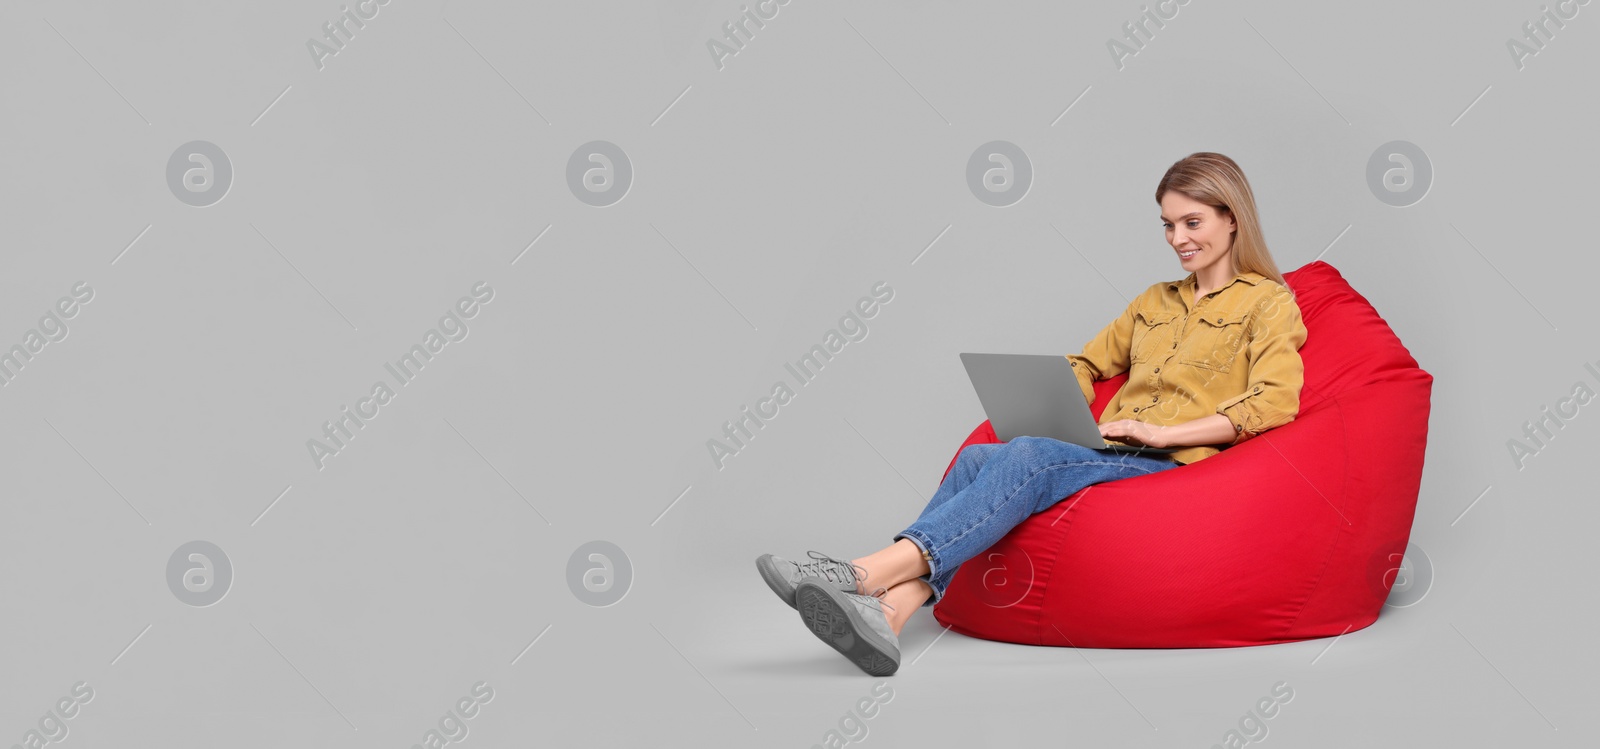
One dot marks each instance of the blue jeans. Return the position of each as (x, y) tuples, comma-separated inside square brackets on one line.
[(993, 487)]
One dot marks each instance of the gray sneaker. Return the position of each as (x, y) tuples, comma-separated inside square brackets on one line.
[(850, 623), (782, 574)]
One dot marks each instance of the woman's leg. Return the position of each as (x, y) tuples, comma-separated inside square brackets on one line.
[(904, 600), (903, 560), (969, 462), (893, 564), (1025, 476)]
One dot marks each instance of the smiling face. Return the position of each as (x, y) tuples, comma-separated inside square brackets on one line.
[(1201, 238)]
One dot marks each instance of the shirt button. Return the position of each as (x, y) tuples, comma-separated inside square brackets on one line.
[(1158, 370), (1153, 398), (1219, 321), (1073, 363)]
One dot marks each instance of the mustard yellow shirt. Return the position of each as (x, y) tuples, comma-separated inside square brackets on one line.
[(1234, 352)]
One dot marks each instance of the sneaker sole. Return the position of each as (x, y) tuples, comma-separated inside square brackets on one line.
[(834, 620), (774, 579)]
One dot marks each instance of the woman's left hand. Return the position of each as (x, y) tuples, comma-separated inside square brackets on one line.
[(1137, 432)]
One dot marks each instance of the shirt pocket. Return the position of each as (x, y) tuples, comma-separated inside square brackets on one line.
[(1215, 341), (1151, 329)]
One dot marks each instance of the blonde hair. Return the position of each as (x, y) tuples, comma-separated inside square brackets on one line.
[(1215, 180)]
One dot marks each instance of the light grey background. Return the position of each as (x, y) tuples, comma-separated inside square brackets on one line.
[(370, 596)]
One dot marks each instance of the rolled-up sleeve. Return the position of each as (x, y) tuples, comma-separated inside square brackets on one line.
[(1272, 393), (1107, 354)]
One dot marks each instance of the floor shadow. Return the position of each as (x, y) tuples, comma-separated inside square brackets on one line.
[(823, 662)]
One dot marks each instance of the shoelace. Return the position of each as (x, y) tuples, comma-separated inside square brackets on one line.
[(877, 596), (833, 570)]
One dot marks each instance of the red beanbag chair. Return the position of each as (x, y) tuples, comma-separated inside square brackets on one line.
[(1287, 536)]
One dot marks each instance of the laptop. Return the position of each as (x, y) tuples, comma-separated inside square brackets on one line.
[(1037, 395)]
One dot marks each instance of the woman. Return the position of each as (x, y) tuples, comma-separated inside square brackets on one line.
[(1212, 360)]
